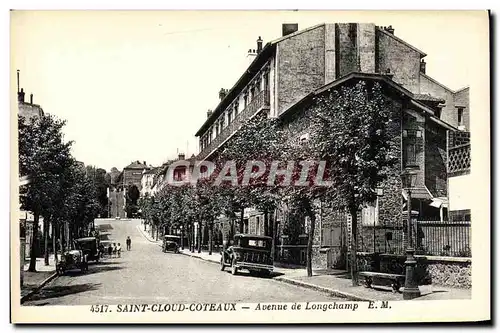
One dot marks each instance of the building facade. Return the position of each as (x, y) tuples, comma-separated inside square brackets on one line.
[(289, 71)]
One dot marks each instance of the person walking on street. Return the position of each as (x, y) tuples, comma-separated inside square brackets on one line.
[(129, 243), (114, 249), (119, 250), (110, 250)]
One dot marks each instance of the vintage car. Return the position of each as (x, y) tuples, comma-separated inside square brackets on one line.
[(72, 259), (171, 243), (250, 252), (89, 246)]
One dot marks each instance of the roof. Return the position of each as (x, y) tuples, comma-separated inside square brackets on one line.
[(442, 85), (151, 171), (373, 77), (418, 193), (137, 165), (256, 65), (428, 98), (254, 68), (247, 75), (84, 239), (422, 54), (252, 236)]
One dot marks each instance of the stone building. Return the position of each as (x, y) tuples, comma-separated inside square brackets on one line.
[(290, 70)]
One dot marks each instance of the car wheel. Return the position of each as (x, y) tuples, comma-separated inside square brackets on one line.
[(234, 269), (222, 266)]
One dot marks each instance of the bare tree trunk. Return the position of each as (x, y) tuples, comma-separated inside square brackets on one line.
[(54, 243), (310, 241), (210, 237), (242, 218), (266, 223), (354, 247), (61, 237), (199, 237), (273, 232), (46, 240), (34, 240)]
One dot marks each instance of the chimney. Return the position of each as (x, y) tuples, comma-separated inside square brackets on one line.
[(20, 96), (252, 53), (422, 66), (31, 98), (389, 29), (181, 156), (259, 45), (222, 93), (209, 113), (289, 28)]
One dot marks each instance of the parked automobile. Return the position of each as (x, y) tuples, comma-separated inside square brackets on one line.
[(90, 247), (250, 252), (72, 259), (171, 243)]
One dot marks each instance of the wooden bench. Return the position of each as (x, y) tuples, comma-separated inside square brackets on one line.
[(397, 280)]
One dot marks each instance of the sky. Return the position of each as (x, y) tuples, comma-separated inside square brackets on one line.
[(136, 85)]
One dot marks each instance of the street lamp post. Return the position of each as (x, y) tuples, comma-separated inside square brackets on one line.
[(411, 290)]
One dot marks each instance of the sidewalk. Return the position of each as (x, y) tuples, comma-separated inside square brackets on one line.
[(33, 281), (335, 282), (341, 285)]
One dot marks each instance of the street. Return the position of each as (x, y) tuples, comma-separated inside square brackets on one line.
[(147, 275)]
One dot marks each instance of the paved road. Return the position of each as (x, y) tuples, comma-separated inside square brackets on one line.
[(146, 275)]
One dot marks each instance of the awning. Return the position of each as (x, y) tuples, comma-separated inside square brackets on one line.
[(439, 202), (418, 193)]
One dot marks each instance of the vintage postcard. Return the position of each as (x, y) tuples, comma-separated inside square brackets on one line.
[(250, 166)]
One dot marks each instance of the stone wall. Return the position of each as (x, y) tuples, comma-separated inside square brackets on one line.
[(400, 59), (346, 48), (430, 86), (442, 271), (301, 66)]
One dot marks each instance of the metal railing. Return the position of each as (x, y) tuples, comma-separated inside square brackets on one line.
[(260, 101), (450, 239)]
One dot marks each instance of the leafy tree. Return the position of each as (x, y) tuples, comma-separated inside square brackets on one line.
[(352, 129), (43, 156), (261, 140), (132, 197)]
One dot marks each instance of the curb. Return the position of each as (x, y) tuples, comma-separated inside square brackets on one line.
[(145, 235), (330, 291), (37, 289), (194, 256)]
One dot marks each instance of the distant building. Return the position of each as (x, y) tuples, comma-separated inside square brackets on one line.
[(28, 110)]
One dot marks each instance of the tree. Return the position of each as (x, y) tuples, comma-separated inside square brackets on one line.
[(132, 198), (43, 156), (260, 140), (352, 129)]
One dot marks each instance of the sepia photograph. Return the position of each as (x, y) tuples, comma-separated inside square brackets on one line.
[(249, 166)]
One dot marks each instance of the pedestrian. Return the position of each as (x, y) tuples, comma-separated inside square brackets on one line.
[(119, 250), (110, 250), (114, 249), (129, 243)]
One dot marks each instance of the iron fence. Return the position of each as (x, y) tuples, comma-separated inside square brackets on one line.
[(443, 238)]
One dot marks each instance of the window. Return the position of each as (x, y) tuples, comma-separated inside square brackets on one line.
[(369, 214), (460, 112), (245, 100), (236, 107), (229, 116), (410, 155)]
